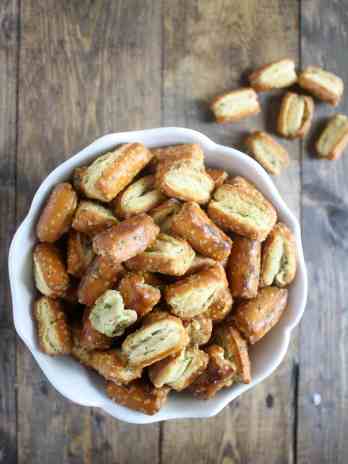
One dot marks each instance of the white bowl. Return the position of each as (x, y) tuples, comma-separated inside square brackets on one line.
[(82, 387)]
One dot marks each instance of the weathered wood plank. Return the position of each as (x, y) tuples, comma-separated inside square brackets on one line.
[(8, 89), (322, 420), (86, 68), (207, 48), (8, 445)]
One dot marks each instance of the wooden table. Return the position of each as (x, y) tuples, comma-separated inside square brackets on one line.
[(71, 71)]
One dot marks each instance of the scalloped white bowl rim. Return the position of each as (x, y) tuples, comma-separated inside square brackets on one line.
[(84, 388)]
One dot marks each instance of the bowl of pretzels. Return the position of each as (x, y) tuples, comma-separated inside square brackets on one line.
[(157, 275)]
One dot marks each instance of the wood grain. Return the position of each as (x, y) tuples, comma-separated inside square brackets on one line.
[(208, 46), (8, 89), (86, 68), (323, 400)]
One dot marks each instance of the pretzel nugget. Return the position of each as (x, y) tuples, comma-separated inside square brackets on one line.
[(53, 331), (109, 174), (109, 316), (112, 365), (218, 175), (276, 75), (278, 257), (185, 180), (219, 374), (243, 268), (57, 214), (241, 208), (295, 115), (199, 263), (138, 395), (50, 275), (221, 306), (167, 255), (79, 253), (178, 372), (126, 239), (236, 105), (77, 178), (155, 340), (92, 218), (266, 151), (137, 294), (139, 197), (192, 224), (164, 213), (101, 275), (322, 84), (177, 152), (90, 338), (236, 350), (256, 317), (199, 330), (192, 296), (334, 138)]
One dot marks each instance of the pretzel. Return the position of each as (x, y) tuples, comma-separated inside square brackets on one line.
[(167, 255), (240, 207), (51, 277), (192, 224), (266, 151), (256, 317), (278, 257), (243, 268), (92, 218), (334, 138), (57, 214), (53, 331), (295, 115), (235, 105), (322, 84), (180, 371), (138, 395), (276, 75), (109, 174)]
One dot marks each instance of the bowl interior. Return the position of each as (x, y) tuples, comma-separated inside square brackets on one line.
[(83, 387)]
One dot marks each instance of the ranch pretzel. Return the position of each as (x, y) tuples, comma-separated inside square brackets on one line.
[(167, 255), (53, 331), (139, 197), (295, 115), (241, 208), (235, 105), (109, 174), (243, 268), (57, 213), (269, 153), (184, 179), (139, 395), (155, 340), (138, 294), (334, 138), (192, 224), (256, 317), (278, 257), (79, 253), (50, 275), (126, 239), (92, 218), (192, 296), (179, 371), (276, 75), (322, 84)]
